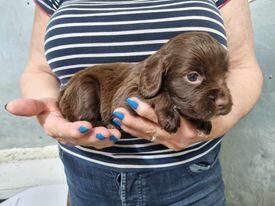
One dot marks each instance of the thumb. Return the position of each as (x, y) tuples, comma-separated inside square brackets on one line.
[(25, 107)]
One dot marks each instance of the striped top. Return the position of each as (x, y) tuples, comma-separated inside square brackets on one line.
[(83, 33)]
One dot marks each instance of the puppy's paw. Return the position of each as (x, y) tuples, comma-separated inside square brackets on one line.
[(206, 127), (203, 126), (110, 126), (169, 121)]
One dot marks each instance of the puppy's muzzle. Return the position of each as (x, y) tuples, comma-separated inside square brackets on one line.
[(222, 101)]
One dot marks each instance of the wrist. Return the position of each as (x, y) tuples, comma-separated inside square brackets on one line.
[(39, 85), (222, 124)]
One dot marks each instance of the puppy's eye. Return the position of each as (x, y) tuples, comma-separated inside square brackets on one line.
[(193, 78)]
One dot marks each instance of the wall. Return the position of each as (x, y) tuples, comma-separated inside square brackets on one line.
[(15, 31), (248, 150)]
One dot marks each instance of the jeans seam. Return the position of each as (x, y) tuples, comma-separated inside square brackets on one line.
[(139, 187), (144, 192), (123, 189)]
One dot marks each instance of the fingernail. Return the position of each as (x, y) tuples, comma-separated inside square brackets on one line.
[(113, 138), (132, 103), (118, 115), (83, 129), (117, 123), (100, 136), (6, 105)]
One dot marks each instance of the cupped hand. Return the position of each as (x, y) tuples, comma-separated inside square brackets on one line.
[(50, 118), (145, 125)]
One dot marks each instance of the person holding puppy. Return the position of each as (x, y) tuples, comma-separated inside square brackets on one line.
[(148, 166)]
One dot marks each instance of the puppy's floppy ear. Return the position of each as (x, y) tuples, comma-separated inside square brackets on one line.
[(151, 75)]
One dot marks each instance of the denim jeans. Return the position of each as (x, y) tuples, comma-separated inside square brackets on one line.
[(198, 183)]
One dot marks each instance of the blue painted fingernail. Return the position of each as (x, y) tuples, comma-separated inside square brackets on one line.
[(83, 129), (113, 138), (100, 136), (6, 105), (132, 103), (118, 115), (116, 122)]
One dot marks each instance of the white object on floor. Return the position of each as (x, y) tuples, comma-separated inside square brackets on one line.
[(24, 168), (47, 195)]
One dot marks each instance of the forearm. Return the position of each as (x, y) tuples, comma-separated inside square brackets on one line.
[(245, 77), (245, 83), (38, 81), (38, 84)]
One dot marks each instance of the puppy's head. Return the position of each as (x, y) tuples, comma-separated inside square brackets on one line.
[(192, 68)]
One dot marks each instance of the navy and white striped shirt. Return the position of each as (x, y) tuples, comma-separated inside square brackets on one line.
[(83, 33)]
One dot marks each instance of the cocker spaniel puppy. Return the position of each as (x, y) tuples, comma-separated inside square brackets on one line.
[(186, 77)]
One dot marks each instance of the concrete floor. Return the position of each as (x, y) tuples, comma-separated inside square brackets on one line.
[(25, 168)]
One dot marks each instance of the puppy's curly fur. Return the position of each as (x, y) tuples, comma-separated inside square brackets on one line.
[(186, 77)]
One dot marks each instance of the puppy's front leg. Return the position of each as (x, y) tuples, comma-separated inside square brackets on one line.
[(168, 117), (201, 125)]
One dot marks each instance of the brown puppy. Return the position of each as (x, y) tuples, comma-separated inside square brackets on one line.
[(186, 77)]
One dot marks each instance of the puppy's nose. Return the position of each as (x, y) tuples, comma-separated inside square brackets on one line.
[(222, 104), (222, 101)]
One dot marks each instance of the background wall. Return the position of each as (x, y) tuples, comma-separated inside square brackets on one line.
[(248, 154), (15, 32)]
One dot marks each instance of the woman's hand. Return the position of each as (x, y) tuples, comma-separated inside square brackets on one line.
[(50, 118), (145, 125)]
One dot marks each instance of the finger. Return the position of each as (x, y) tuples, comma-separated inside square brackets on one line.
[(158, 139), (129, 130), (115, 135), (57, 126), (188, 130), (133, 121), (186, 135), (142, 109), (100, 137), (137, 125), (162, 137), (147, 129), (25, 107), (124, 119)]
